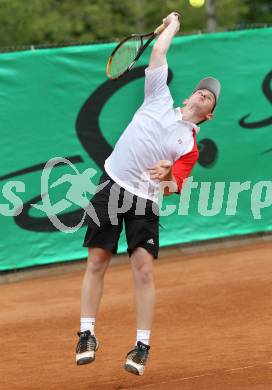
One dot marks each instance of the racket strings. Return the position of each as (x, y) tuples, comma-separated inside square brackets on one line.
[(124, 56)]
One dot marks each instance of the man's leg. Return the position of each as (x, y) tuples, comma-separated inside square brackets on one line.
[(93, 281), (91, 294), (144, 293)]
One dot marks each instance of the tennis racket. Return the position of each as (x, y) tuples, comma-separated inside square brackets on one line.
[(128, 51)]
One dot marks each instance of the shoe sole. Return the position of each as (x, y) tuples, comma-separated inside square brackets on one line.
[(133, 370), (86, 359)]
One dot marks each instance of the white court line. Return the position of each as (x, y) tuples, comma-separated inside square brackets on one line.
[(195, 376)]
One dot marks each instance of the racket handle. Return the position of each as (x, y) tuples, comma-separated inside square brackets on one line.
[(159, 29)]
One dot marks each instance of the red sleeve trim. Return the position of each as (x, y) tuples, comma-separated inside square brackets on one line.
[(183, 166)]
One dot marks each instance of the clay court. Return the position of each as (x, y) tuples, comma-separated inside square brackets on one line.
[(212, 327)]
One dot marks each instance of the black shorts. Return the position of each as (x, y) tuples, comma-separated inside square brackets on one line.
[(141, 218)]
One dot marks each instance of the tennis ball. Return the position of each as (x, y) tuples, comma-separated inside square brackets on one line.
[(197, 3)]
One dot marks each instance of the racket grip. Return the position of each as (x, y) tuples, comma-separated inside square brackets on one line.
[(159, 29)]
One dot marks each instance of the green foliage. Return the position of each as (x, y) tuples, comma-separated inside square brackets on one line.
[(79, 21), (258, 11)]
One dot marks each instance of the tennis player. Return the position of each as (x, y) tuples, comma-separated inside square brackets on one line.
[(159, 145)]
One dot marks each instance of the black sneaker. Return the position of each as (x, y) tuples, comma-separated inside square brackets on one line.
[(137, 358), (86, 347)]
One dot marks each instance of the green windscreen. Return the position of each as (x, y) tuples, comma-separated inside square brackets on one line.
[(58, 103)]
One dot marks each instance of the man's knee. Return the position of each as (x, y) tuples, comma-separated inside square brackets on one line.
[(145, 273), (98, 261), (142, 266)]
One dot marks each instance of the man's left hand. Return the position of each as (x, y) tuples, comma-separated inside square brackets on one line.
[(161, 170)]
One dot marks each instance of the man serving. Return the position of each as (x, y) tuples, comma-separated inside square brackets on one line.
[(159, 145)]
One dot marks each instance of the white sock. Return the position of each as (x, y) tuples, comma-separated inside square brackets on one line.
[(143, 336), (87, 323)]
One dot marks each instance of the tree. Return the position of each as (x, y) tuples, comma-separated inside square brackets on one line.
[(48, 22), (258, 11)]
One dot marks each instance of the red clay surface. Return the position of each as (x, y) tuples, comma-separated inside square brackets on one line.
[(212, 328)]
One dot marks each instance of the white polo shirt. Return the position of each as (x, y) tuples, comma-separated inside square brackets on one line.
[(156, 132)]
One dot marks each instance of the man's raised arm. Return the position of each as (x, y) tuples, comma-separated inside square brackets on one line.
[(160, 48)]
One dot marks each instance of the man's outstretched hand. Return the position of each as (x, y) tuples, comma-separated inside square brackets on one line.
[(173, 17), (161, 46)]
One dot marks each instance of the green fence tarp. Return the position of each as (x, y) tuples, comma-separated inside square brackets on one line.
[(59, 103)]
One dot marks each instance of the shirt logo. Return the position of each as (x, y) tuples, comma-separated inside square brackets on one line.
[(150, 241), (180, 141)]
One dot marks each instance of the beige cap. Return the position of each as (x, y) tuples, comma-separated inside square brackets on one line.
[(211, 84)]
